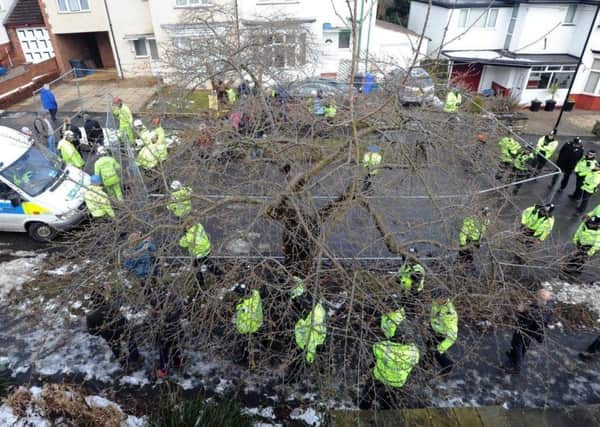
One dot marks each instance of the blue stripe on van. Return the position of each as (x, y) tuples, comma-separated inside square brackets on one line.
[(8, 208)]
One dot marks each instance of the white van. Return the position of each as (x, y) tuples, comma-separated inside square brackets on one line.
[(39, 194)]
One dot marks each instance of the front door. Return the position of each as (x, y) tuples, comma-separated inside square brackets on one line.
[(519, 82)]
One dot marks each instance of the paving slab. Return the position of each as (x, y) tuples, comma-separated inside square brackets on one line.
[(576, 122)]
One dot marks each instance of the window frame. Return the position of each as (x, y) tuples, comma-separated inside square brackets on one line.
[(67, 8), (571, 22), (465, 16), (281, 44), (189, 4), (349, 34), (550, 74), (596, 72), (148, 49)]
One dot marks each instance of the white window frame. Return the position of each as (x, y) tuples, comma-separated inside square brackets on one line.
[(595, 71), (67, 8), (147, 46), (572, 11), (552, 70), (465, 16), (282, 43), (192, 3)]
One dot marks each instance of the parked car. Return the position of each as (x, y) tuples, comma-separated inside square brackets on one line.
[(326, 87), (414, 87)]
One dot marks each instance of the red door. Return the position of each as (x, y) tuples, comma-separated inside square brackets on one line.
[(467, 75)]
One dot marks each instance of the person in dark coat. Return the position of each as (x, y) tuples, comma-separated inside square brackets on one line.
[(531, 324), (592, 350), (93, 130), (49, 101), (169, 336), (105, 320), (568, 156)]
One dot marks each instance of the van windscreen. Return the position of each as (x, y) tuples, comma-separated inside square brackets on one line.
[(34, 171)]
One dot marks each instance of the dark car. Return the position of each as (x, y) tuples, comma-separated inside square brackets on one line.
[(324, 87)]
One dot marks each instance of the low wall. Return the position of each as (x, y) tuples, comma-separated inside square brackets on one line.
[(23, 86), (586, 102)]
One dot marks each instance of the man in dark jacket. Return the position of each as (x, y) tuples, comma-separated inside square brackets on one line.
[(531, 323), (105, 320), (568, 156), (93, 130), (140, 257)]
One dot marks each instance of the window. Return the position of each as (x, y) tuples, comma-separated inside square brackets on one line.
[(140, 47), (285, 49), (191, 3), (35, 44), (482, 18), (541, 77), (147, 47), (591, 86), (344, 39), (570, 15), (73, 5)]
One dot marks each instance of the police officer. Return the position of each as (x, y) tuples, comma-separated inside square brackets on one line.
[(411, 275), (473, 229), (248, 319), (509, 149), (590, 186), (587, 243), (198, 244), (520, 167), (68, 152), (96, 200), (583, 168), (107, 168), (371, 161), (531, 323), (453, 101), (544, 149), (311, 331), (180, 203), (568, 156), (443, 329), (537, 221)]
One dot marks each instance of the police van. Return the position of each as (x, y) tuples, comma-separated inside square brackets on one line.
[(39, 194)]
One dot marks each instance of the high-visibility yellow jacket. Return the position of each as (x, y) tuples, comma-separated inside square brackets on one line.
[(371, 161), (453, 101), (539, 224), (97, 202), (544, 148), (390, 322), (107, 168), (146, 158), (584, 167), (444, 322), (181, 202), (69, 154), (594, 212), (509, 148), (311, 332), (249, 314), (591, 182), (585, 236), (196, 241), (394, 362), (406, 273), (472, 230)]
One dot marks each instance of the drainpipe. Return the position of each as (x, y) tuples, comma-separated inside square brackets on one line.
[(589, 34), (237, 25), (369, 38), (114, 40), (360, 23)]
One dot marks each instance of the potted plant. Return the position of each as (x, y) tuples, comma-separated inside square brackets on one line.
[(569, 104), (551, 103), (535, 105)]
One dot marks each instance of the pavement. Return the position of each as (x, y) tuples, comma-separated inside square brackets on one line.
[(89, 94), (573, 123)]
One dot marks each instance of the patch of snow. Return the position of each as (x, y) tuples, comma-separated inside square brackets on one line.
[(238, 246), (15, 273), (261, 412), (64, 270), (138, 378), (309, 416), (576, 293)]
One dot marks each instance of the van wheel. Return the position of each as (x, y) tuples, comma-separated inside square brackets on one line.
[(41, 232)]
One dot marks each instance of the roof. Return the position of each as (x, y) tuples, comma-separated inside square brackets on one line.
[(458, 4), (24, 12), (503, 57), (396, 27)]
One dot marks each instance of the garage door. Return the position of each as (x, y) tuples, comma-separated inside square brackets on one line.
[(36, 44)]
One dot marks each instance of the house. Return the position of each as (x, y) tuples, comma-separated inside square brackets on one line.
[(133, 36), (516, 47)]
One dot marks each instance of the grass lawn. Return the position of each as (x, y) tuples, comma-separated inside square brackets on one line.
[(170, 99)]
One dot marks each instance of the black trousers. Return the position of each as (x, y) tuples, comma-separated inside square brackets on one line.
[(465, 254), (585, 199), (566, 174), (578, 184), (114, 332), (442, 358), (518, 347), (367, 183), (210, 266), (595, 346), (539, 162), (169, 345), (53, 112), (576, 261)]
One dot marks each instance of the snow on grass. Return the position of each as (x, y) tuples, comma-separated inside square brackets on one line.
[(14, 273), (309, 416), (576, 293)]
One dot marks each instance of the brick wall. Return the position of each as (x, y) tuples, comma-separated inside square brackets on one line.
[(23, 86), (18, 56), (106, 53)]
